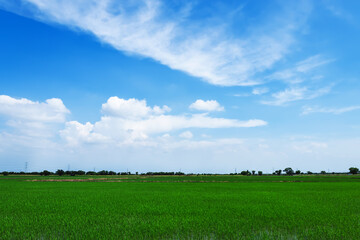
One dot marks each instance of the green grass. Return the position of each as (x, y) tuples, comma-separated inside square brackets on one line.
[(181, 207)]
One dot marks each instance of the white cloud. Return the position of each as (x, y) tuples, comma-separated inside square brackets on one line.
[(295, 94), (311, 63), (207, 106), (124, 121), (301, 70), (120, 129), (33, 119), (200, 49), (260, 91), (316, 109), (76, 133), (52, 110), (131, 108), (242, 95), (132, 120), (186, 134)]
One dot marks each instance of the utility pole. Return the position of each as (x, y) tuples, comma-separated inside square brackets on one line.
[(26, 167)]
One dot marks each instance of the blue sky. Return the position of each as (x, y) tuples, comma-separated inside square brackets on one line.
[(169, 85)]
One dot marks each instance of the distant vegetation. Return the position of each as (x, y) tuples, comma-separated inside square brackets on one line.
[(287, 171)]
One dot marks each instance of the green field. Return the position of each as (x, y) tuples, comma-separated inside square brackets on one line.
[(180, 207)]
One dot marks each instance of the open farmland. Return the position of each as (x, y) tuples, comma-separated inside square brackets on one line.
[(180, 207)]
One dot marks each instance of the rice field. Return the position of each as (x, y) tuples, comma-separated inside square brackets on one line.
[(180, 207)]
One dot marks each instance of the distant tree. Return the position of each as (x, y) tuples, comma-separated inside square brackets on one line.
[(353, 170), (80, 172), (45, 173), (137, 173), (90, 173), (260, 173), (298, 172), (60, 172), (71, 173), (103, 172), (112, 173), (289, 171), (323, 172), (309, 172), (245, 173), (253, 172), (5, 173), (277, 172)]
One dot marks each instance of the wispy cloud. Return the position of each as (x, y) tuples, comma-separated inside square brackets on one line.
[(186, 134), (260, 91), (295, 94), (209, 52), (257, 91), (301, 70), (317, 109), (242, 94), (337, 10)]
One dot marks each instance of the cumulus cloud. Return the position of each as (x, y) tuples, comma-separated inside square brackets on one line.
[(52, 110), (126, 121), (131, 108), (295, 94), (123, 121), (207, 106), (201, 49), (33, 119), (316, 109), (75, 133)]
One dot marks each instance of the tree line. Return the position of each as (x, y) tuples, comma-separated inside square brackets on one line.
[(287, 171), (61, 172)]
